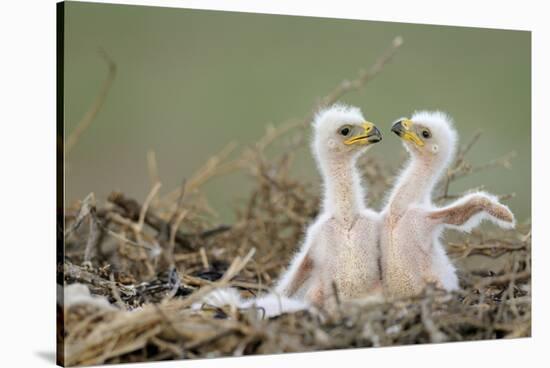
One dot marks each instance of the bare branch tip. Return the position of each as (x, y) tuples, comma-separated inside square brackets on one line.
[(397, 41), (108, 59)]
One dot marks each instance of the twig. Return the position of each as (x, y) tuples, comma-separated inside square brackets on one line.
[(80, 274), (436, 336), (85, 207), (361, 80), (121, 220), (504, 279), (146, 204), (152, 167), (236, 266), (132, 210), (204, 258), (93, 237), (90, 115)]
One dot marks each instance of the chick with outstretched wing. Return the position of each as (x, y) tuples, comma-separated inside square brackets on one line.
[(411, 226)]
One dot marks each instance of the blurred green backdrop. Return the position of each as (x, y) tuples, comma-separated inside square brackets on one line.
[(190, 81)]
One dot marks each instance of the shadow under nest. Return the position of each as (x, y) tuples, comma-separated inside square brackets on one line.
[(153, 259)]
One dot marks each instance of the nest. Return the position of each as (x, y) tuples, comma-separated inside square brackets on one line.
[(146, 262), (151, 261)]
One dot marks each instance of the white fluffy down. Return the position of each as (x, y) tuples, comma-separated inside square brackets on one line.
[(79, 294), (269, 305)]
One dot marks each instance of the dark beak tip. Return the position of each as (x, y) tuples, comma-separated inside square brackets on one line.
[(397, 127), (375, 136)]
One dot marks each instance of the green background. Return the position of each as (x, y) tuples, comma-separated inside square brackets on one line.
[(190, 81)]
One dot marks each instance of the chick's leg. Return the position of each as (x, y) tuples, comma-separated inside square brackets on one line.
[(302, 274), (316, 294), (296, 276)]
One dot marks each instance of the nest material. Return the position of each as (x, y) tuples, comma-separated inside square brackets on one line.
[(153, 260)]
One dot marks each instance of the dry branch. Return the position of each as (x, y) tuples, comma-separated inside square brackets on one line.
[(91, 114)]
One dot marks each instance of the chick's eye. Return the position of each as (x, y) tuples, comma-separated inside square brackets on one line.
[(344, 131), (426, 134)]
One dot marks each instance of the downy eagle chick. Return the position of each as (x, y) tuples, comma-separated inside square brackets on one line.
[(412, 254), (341, 245)]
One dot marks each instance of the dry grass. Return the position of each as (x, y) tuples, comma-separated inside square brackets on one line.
[(153, 258)]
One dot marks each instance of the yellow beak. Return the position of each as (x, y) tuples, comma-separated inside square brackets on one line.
[(403, 128)]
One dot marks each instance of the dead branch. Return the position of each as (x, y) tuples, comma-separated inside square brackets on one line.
[(91, 114)]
